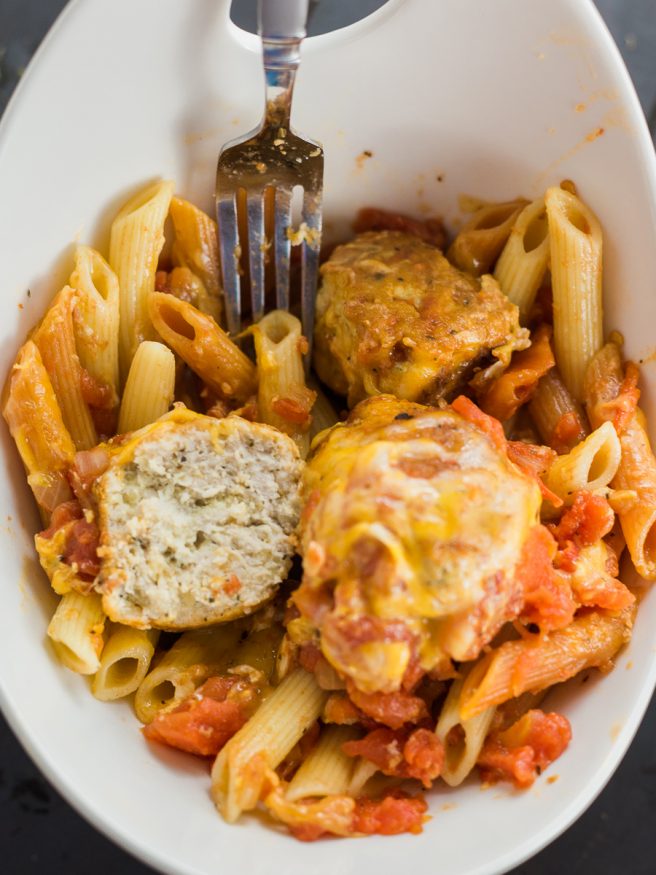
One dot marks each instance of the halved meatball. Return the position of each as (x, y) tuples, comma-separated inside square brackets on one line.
[(198, 521)]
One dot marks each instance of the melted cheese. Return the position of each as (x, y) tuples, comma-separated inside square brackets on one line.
[(62, 576), (393, 315), (417, 518)]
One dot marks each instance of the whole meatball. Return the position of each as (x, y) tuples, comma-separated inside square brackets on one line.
[(393, 315), (413, 525)]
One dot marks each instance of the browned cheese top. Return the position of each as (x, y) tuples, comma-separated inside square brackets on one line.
[(393, 315)]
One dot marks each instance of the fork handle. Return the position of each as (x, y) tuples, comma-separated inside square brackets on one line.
[(282, 27)]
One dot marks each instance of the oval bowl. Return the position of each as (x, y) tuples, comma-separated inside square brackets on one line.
[(452, 97)]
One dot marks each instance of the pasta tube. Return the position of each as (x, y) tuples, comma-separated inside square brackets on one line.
[(258, 651), (324, 414), (149, 388), (136, 240), (523, 263), (124, 662), (195, 656), (55, 338), (96, 318), (576, 259), (196, 246), (558, 417), (36, 425), (76, 630), (461, 752), (606, 398), (504, 396), (591, 465), (284, 400), (363, 771), (205, 347), (326, 770), (481, 239), (527, 665), (240, 770)]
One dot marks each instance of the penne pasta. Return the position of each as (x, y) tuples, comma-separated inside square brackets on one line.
[(576, 259), (196, 247), (326, 770), (258, 651), (76, 631), (483, 236), (204, 346), (195, 656), (124, 662), (37, 426), (55, 338), (136, 240), (96, 318), (149, 388), (558, 417), (283, 399), (363, 772), (504, 396), (239, 771), (529, 665), (324, 414), (523, 262), (606, 398), (182, 283), (591, 465), (461, 748)]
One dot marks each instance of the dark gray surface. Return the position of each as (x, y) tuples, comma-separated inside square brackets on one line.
[(40, 833)]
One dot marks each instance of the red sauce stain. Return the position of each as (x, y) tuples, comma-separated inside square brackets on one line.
[(594, 134)]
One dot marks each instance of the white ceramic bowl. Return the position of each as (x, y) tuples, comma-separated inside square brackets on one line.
[(452, 96)]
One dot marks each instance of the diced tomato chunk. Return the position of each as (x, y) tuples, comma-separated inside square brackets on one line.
[(64, 513), (391, 815), (627, 400), (81, 547), (567, 433), (523, 751), (343, 816), (487, 424), (392, 709), (605, 592), (565, 558), (306, 832), (531, 459), (402, 754), (423, 754), (295, 409), (341, 710), (207, 719), (548, 600), (589, 519)]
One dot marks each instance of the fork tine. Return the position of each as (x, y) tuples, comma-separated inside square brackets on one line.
[(256, 250), (283, 222), (310, 264), (229, 243)]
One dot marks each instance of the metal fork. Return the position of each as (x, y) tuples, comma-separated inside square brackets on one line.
[(272, 155)]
